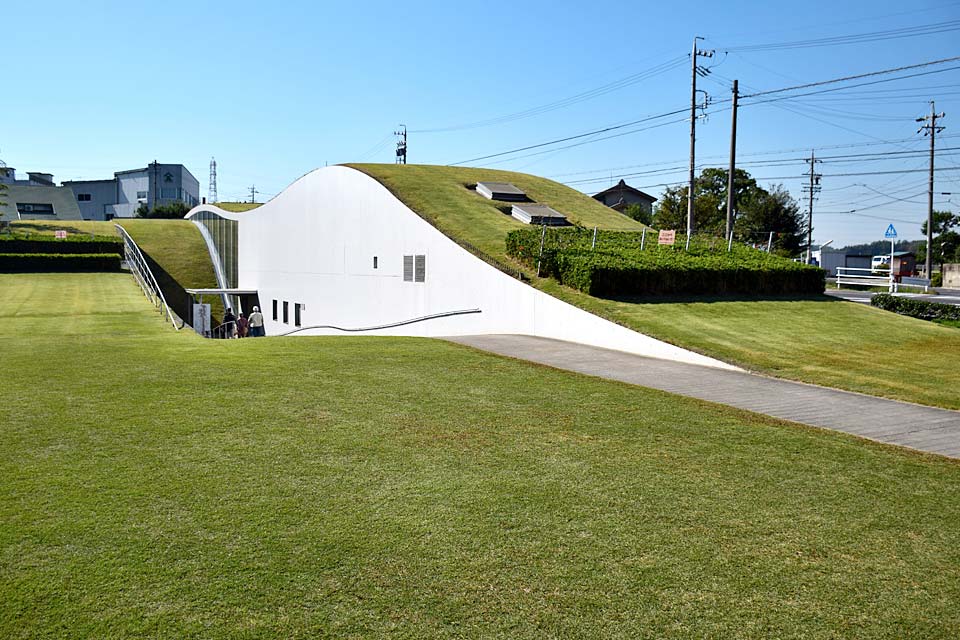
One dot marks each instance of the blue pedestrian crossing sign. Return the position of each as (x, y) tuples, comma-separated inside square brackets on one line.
[(891, 232)]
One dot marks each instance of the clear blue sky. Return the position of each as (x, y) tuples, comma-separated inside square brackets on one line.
[(274, 90)]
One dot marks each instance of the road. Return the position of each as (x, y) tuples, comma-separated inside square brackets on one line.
[(946, 296)]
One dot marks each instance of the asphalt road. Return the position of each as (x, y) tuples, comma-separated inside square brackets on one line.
[(946, 296)]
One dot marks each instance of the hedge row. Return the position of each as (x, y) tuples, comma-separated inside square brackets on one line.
[(58, 262), (915, 308), (617, 266), (71, 244)]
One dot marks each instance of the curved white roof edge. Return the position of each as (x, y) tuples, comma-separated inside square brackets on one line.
[(338, 252)]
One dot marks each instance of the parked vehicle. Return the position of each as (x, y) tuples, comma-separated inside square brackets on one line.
[(880, 265)]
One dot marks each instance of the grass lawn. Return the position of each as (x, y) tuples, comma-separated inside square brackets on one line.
[(237, 207), (156, 484)]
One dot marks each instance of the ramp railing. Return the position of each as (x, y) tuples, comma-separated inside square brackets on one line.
[(141, 273), (865, 277)]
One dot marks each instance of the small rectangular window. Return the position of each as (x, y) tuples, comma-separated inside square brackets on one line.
[(296, 314), (286, 312), (274, 309), (420, 269), (408, 268), (83, 197), (141, 194), (374, 262)]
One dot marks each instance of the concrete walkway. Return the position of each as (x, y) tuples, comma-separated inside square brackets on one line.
[(909, 425)]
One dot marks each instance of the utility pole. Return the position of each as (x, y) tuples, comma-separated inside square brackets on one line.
[(694, 71), (931, 129), (812, 188), (253, 194), (733, 164), (401, 145)]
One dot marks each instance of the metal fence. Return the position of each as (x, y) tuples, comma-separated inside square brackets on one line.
[(865, 277), (138, 266)]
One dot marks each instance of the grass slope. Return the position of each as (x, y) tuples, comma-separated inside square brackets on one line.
[(156, 484), (441, 196), (176, 245), (818, 340), (237, 207)]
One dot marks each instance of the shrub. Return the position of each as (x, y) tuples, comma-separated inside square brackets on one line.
[(58, 262), (618, 266), (70, 244), (915, 308)]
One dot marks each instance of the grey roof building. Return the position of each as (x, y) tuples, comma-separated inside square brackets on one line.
[(36, 202), (621, 195)]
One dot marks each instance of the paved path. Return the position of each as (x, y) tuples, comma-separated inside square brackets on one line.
[(864, 296), (901, 423)]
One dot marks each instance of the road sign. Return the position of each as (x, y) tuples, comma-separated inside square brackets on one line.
[(890, 232), (667, 237)]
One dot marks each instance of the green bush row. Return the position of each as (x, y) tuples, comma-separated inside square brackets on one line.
[(70, 244), (915, 308), (58, 262), (618, 266)]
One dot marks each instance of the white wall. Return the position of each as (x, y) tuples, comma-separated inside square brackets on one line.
[(314, 244)]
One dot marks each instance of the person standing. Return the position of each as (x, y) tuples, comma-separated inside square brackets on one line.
[(255, 321), (229, 325), (242, 325)]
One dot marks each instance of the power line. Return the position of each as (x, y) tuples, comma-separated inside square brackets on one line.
[(568, 138), (857, 38), (855, 77), (565, 102)]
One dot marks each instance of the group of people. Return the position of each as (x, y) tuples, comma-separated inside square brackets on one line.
[(242, 326)]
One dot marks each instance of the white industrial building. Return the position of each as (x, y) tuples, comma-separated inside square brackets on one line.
[(337, 253), (121, 196)]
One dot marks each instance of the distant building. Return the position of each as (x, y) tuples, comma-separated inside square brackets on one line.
[(121, 196), (621, 195), (36, 198)]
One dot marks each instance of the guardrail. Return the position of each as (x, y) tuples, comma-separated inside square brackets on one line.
[(865, 277), (141, 273)]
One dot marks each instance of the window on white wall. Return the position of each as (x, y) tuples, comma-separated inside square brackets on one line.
[(408, 268), (419, 268), (296, 314), (286, 312), (374, 262)]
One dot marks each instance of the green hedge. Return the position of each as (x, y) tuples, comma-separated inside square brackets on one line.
[(70, 244), (915, 308), (58, 262), (618, 266)]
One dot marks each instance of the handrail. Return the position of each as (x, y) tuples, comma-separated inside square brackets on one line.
[(215, 259), (144, 276), (444, 314)]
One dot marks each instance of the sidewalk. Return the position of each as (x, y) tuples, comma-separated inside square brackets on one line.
[(918, 427)]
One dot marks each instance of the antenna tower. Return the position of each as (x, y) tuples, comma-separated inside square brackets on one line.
[(212, 192)]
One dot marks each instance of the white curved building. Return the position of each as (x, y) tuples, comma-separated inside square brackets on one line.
[(337, 253)]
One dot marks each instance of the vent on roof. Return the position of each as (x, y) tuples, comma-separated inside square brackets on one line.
[(501, 191), (538, 214)]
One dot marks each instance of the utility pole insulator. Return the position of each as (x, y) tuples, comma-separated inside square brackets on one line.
[(813, 188), (401, 145)]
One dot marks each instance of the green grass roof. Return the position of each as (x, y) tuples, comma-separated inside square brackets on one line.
[(444, 197)]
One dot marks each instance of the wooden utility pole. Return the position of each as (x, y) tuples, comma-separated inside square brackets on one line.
[(733, 163), (930, 129)]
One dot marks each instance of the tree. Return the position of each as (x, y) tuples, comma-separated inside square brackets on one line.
[(173, 210), (638, 213), (945, 242), (759, 211)]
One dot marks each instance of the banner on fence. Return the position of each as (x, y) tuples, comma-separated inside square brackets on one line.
[(667, 237)]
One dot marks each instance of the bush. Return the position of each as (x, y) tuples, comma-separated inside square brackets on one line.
[(70, 244), (618, 266), (915, 308), (58, 262)]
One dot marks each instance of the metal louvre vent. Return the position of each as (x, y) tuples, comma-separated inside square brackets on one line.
[(408, 268), (420, 269)]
